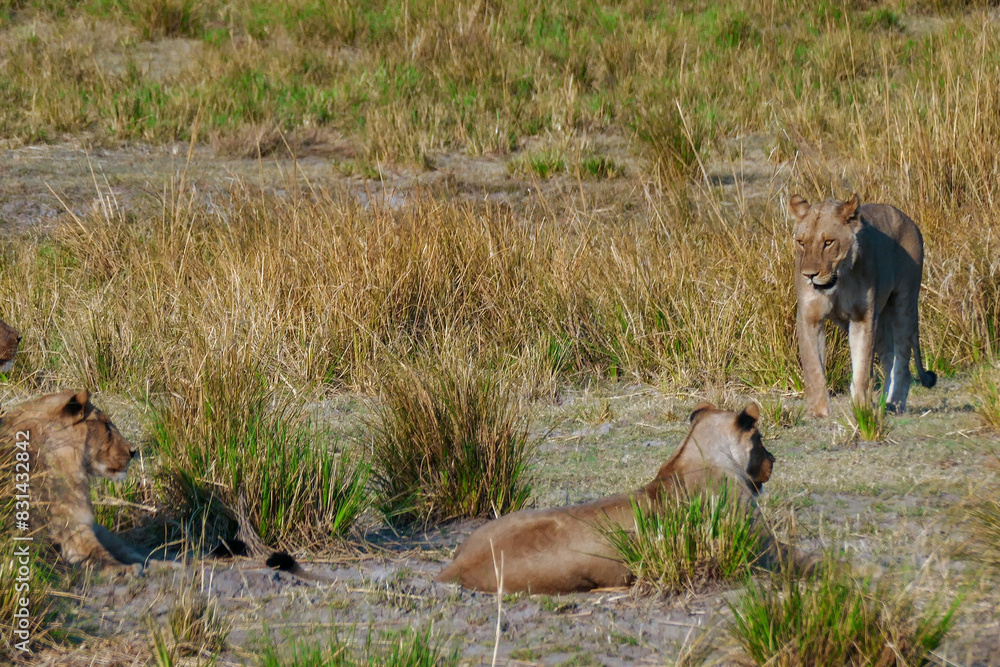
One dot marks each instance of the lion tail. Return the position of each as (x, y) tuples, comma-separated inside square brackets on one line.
[(927, 378)]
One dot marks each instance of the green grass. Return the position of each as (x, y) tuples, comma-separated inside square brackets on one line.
[(869, 421), (449, 441), (420, 647), (682, 543), (832, 618), (599, 166), (775, 412), (234, 452)]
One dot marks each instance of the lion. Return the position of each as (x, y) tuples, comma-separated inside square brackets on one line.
[(10, 338), (859, 267), (67, 440), (564, 550)]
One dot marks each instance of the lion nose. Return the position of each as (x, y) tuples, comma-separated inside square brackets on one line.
[(810, 274)]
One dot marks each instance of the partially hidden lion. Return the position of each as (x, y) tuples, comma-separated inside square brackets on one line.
[(563, 550), (859, 267), (69, 440), (9, 340)]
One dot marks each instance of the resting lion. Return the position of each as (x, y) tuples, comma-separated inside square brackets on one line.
[(563, 550), (9, 340), (67, 439), (859, 267)]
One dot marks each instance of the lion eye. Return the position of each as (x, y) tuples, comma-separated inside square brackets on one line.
[(801, 243), (827, 243)]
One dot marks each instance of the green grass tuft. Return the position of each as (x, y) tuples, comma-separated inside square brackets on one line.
[(238, 452), (681, 543), (406, 648), (831, 618), (868, 421)]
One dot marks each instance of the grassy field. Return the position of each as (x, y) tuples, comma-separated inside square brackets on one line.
[(283, 240)]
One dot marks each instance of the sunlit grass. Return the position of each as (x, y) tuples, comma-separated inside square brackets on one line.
[(680, 543), (833, 618), (449, 441)]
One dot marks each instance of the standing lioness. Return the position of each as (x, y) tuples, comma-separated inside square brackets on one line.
[(562, 550), (860, 267)]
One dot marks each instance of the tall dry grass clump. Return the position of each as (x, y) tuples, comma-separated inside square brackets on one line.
[(238, 453), (449, 440), (984, 510), (986, 387)]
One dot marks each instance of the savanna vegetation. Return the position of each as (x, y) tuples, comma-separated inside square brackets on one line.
[(638, 235)]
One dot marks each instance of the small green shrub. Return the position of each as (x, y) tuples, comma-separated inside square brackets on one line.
[(599, 166), (450, 441), (681, 543), (868, 421), (831, 618), (545, 164), (238, 452)]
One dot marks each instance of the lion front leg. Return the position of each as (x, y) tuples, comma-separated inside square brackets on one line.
[(861, 336), (83, 546), (811, 344)]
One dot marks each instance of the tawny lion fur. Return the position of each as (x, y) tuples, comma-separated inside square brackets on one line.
[(564, 549), (9, 340), (859, 267), (70, 440)]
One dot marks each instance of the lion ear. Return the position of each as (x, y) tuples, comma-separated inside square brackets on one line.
[(798, 206), (700, 409), (76, 406), (748, 418), (849, 210)]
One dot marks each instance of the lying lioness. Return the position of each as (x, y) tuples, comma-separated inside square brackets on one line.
[(563, 550), (59, 441)]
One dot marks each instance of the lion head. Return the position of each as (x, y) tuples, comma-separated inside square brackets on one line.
[(721, 441), (72, 435), (825, 237), (9, 339)]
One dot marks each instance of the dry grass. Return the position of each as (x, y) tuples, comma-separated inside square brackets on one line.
[(986, 386), (193, 628), (984, 510), (449, 441), (664, 276)]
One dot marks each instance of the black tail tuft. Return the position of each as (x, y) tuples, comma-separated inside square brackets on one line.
[(929, 379), (280, 560), (229, 549)]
